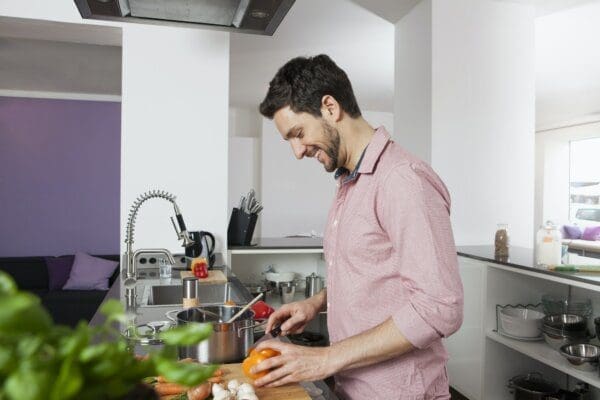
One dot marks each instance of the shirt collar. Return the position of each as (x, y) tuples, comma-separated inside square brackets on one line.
[(369, 157)]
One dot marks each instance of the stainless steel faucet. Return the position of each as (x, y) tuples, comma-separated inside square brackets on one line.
[(130, 270)]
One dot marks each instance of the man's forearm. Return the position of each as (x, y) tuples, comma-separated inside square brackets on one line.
[(319, 300), (378, 344)]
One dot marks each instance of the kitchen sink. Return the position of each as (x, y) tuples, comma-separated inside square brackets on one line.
[(207, 294)]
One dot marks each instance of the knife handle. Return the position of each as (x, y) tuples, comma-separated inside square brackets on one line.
[(276, 331)]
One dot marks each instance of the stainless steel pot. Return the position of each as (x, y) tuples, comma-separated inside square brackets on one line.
[(229, 343), (314, 284), (533, 387)]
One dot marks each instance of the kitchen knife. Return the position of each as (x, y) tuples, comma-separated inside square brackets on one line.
[(276, 331)]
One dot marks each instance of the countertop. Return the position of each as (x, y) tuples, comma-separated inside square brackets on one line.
[(295, 242), (524, 258), (157, 313)]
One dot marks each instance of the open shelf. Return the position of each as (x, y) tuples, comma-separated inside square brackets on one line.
[(540, 351)]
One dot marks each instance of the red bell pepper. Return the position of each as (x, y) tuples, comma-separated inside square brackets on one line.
[(262, 310)]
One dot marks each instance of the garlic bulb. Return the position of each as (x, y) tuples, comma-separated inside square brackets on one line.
[(224, 395), (245, 388), (233, 386), (217, 388)]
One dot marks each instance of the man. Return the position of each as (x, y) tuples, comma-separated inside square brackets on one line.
[(393, 289)]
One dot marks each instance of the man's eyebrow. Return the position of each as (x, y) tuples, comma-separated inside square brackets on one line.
[(291, 132)]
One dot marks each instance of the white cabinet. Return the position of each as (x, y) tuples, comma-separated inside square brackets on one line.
[(482, 361), (466, 347)]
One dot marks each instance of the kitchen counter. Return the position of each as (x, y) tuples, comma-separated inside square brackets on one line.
[(146, 314), (524, 259)]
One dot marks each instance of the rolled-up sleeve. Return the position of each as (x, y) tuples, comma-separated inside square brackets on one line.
[(413, 208)]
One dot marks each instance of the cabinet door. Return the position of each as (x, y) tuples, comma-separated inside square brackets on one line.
[(465, 347)]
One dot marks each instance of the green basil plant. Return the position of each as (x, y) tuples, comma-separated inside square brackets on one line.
[(43, 361)]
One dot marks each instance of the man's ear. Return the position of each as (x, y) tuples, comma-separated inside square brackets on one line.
[(330, 109)]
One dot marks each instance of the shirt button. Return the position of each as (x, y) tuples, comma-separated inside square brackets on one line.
[(328, 305), (335, 222), (331, 263)]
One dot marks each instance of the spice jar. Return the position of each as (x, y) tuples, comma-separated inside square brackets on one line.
[(501, 241), (190, 292)]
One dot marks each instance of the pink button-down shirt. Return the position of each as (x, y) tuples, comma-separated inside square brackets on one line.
[(390, 254)]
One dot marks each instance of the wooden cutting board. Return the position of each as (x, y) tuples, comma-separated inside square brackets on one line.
[(287, 392), (214, 277)]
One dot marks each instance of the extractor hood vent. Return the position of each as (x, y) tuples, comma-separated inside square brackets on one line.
[(246, 16)]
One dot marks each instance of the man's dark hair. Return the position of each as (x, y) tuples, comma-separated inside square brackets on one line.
[(301, 84)]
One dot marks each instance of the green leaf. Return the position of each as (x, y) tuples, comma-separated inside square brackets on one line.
[(113, 310), (7, 284), (23, 313), (94, 352), (29, 346), (8, 360), (28, 384), (188, 334), (187, 374), (69, 381), (71, 345)]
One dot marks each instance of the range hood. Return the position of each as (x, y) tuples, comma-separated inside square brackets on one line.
[(246, 16)]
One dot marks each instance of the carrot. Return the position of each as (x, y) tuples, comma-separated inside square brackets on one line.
[(215, 379), (200, 392), (218, 372), (163, 389)]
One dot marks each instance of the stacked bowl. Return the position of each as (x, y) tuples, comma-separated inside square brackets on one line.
[(565, 329), (558, 305)]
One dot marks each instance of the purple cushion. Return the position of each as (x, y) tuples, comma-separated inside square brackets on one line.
[(572, 232), (591, 233), (90, 273), (59, 269)]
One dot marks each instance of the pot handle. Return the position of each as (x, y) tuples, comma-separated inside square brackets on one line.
[(169, 317), (239, 332)]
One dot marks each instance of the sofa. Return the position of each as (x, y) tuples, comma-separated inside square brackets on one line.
[(67, 307)]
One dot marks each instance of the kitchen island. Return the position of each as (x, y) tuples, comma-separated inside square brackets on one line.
[(146, 313)]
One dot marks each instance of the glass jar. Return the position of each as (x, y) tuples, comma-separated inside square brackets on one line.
[(548, 245), (501, 242)]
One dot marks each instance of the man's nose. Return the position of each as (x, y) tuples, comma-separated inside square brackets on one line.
[(298, 148)]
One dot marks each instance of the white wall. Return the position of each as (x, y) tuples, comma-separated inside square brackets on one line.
[(552, 170), (412, 103), (482, 111), (297, 194), (175, 128), (174, 120)]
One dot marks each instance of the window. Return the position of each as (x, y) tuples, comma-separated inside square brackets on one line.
[(584, 187)]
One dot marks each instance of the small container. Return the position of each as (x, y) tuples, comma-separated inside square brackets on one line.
[(164, 269), (287, 291), (501, 241), (190, 292), (548, 245), (314, 284)]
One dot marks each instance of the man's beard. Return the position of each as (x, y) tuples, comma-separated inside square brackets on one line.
[(332, 149)]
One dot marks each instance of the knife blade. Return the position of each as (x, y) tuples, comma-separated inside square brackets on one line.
[(275, 332)]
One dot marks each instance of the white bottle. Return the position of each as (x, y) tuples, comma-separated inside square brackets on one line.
[(549, 245)]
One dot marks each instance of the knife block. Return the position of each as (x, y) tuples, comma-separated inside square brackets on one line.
[(241, 228)]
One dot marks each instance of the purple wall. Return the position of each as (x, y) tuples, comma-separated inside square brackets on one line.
[(59, 176)]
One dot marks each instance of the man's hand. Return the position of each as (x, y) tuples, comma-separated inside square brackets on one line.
[(295, 364), (293, 317)]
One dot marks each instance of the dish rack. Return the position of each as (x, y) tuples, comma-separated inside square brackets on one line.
[(536, 307)]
